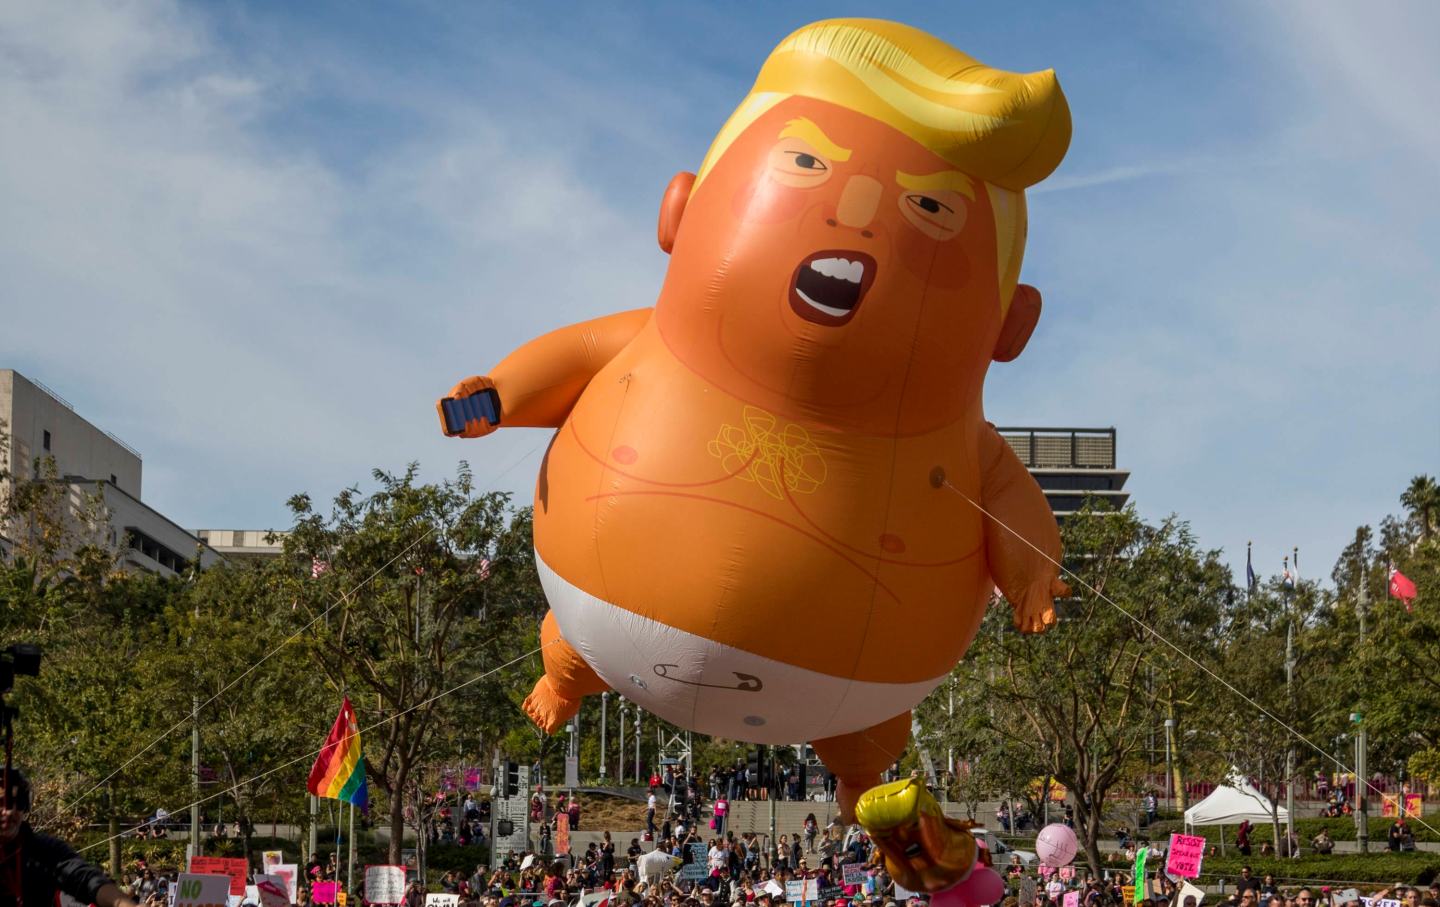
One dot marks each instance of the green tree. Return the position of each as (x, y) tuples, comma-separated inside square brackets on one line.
[(1422, 499), (1080, 701), (404, 612)]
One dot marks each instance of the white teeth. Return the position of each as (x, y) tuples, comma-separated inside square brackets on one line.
[(828, 310), (839, 268)]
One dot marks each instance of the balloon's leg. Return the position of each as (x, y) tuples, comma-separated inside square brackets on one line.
[(567, 678), (858, 759)]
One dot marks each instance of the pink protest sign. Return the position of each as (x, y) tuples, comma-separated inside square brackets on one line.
[(324, 892), (1072, 899), (1185, 855), (1067, 873)]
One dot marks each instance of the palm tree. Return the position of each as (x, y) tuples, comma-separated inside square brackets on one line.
[(1422, 499)]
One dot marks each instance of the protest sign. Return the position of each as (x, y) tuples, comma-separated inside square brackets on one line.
[(202, 890), (801, 890), (694, 867), (1072, 899), (1027, 891), (1185, 856), (902, 893), (272, 858), (562, 833), (272, 890), (853, 873), (324, 892), (590, 899), (341, 897), (1380, 902), (385, 884), (234, 867), (828, 892), (1045, 871), (1190, 891), (1127, 893), (1067, 873), (290, 873), (442, 900), (773, 888)]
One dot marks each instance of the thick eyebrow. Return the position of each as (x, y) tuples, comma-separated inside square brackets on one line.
[(807, 131), (944, 179)]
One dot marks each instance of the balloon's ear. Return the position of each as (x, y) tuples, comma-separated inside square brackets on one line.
[(1019, 323), (672, 208)]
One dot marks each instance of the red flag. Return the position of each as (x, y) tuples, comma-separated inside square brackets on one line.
[(1402, 587)]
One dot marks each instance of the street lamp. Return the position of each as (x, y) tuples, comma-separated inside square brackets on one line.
[(604, 702), (1169, 773), (620, 738), (638, 713)]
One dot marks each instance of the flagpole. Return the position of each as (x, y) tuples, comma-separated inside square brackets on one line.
[(350, 863)]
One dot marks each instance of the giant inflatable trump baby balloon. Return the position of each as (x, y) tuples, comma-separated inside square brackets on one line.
[(760, 515)]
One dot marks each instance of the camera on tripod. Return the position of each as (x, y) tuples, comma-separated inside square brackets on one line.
[(19, 660)]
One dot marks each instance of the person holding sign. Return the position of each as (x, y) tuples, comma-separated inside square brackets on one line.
[(35, 868)]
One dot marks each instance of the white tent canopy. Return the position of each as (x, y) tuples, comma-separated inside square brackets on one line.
[(1231, 804)]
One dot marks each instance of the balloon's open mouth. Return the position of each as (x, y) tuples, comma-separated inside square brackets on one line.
[(828, 286)]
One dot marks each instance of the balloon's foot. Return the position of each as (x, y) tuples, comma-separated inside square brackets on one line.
[(547, 708)]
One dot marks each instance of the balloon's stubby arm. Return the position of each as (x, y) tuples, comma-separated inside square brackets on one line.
[(1018, 522), (537, 385)]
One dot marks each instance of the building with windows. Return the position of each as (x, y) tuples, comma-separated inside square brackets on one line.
[(244, 544), (1070, 463), (93, 465)]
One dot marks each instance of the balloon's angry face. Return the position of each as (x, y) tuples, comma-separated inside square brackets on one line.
[(828, 257)]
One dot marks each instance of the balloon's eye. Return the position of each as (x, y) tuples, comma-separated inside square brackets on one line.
[(928, 204), (938, 214), (808, 161)]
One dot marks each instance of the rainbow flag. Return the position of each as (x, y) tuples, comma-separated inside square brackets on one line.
[(339, 771)]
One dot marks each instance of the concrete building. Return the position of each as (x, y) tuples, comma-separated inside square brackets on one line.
[(90, 461), (244, 544), (1070, 463)]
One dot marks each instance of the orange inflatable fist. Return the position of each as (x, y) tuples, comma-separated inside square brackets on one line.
[(747, 521)]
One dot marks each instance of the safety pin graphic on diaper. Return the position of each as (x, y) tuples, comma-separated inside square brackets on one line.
[(749, 683)]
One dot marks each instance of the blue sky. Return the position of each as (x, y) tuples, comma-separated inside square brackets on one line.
[(257, 240)]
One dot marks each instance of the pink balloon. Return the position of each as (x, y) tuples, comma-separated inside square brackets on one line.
[(948, 897), (1056, 845), (982, 886)]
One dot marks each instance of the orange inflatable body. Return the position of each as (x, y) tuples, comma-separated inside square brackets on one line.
[(760, 516)]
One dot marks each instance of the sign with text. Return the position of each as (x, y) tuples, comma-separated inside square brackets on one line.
[(1027, 891), (1067, 873), (853, 873), (442, 900), (1391, 804), (272, 890), (1186, 854), (572, 771), (562, 833), (324, 892), (234, 867), (694, 867), (798, 890), (291, 874), (385, 884), (202, 890), (1072, 899)]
